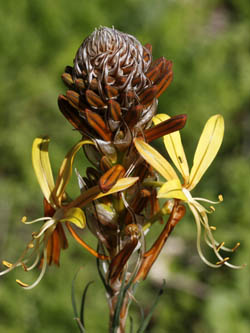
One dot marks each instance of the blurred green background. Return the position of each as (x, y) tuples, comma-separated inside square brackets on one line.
[(209, 44)]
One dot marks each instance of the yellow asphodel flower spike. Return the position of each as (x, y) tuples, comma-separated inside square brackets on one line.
[(207, 148)]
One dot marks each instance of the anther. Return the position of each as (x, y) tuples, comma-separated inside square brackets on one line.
[(236, 247), (222, 261), (22, 284), (212, 227), (24, 219), (219, 246), (7, 264), (30, 245), (220, 197)]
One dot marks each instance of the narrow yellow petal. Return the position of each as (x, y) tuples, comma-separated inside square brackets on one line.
[(174, 148), (158, 162), (208, 146), (121, 185), (42, 168), (75, 215), (172, 189), (66, 169)]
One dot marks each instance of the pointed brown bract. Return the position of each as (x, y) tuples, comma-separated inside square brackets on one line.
[(110, 178), (157, 69), (80, 85), (67, 79), (151, 255), (147, 96), (173, 124), (114, 109), (163, 83), (73, 98), (97, 123), (119, 261), (71, 114), (133, 116), (112, 92), (138, 204), (94, 100)]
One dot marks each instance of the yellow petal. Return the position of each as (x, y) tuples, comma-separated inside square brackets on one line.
[(174, 148), (75, 215), (159, 163), (42, 168), (208, 146), (121, 185), (172, 189), (66, 169)]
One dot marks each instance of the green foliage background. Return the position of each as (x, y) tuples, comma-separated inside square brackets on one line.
[(209, 44)]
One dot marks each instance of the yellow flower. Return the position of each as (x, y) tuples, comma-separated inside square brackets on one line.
[(207, 148), (46, 244)]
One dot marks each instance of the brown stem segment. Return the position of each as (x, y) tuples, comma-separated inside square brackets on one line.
[(151, 255)]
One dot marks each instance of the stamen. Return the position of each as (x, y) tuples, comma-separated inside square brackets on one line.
[(198, 241), (212, 227), (34, 263), (25, 285), (218, 247), (45, 218), (219, 263), (236, 247), (45, 227), (212, 208)]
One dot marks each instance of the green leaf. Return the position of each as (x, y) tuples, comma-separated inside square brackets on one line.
[(131, 324), (73, 300), (83, 302), (146, 320)]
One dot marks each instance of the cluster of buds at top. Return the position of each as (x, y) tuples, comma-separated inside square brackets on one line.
[(113, 87)]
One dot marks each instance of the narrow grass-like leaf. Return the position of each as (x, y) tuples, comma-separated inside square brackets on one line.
[(107, 287), (83, 302), (73, 300), (131, 324), (122, 293), (146, 320)]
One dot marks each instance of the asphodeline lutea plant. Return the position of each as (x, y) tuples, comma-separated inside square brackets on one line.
[(180, 188), (112, 97)]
